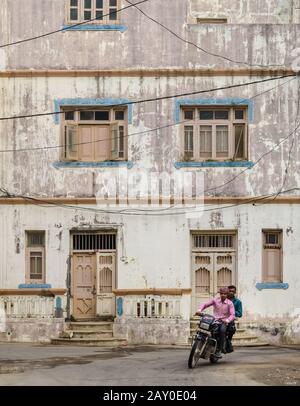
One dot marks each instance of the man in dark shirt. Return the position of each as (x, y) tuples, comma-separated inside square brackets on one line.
[(238, 308)]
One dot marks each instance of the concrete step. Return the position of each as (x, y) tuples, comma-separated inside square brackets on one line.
[(91, 326), (256, 343), (238, 331), (87, 334), (93, 342), (245, 337), (245, 343)]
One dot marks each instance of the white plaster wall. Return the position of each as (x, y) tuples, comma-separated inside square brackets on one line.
[(158, 250), (245, 11), (265, 23), (275, 113)]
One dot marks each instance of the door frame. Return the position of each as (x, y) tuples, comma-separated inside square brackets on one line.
[(213, 250), (72, 252)]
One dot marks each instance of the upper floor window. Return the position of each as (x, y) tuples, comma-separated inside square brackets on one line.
[(101, 11), (215, 133), (94, 135)]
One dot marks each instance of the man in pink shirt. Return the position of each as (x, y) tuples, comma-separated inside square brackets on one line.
[(223, 312)]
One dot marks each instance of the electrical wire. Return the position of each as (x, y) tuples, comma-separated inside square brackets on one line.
[(50, 204), (155, 98), (197, 46), (68, 27)]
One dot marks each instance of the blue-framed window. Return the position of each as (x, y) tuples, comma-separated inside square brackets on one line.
[(215, 133), (94, 134), (272, 261), (101, 12)]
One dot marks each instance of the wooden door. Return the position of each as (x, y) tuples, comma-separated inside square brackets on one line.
[(224, 269), (106, 274), (84, 286), (202, 278), (211, 271)]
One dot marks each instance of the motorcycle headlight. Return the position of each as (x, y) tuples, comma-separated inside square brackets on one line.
[(204, 326)]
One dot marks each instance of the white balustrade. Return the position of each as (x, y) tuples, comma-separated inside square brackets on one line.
[(17, 307), (152, 306)]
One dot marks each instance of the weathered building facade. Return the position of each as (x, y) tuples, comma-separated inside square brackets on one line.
[(68, 250)]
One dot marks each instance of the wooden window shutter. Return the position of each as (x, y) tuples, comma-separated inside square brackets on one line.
[(272, 265), (115, 140), (71, 142), (102, 143), (86, 147)]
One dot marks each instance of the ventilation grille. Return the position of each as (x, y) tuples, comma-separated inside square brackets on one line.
[(94, 242), (213, 241)]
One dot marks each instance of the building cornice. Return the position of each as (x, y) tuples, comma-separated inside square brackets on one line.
[(94, 201), (146, 72), (156, 292), (32, 292)]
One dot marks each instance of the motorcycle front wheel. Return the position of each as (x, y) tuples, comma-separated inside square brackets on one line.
[(196, 353)]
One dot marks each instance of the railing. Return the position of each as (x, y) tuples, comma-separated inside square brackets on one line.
[(152, 306), (17, 307)]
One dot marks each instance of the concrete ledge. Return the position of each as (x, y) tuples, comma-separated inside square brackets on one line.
[(152, 331), (32, 330), (214, 164), (261, 286), (94, 27), (32, 292), (171, 292), (107, 164)]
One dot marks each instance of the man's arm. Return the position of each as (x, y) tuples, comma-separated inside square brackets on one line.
[(239, 309), (231, 316), (205, 306)]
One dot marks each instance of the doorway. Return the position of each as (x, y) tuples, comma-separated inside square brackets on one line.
[(93, 275), (213, 265)]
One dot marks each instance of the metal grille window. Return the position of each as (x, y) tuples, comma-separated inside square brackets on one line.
[(94, 242), (214, 133), (35, 257), (100, 11), (213, 241)]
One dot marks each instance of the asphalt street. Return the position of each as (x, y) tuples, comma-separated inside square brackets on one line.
[(28, 364)]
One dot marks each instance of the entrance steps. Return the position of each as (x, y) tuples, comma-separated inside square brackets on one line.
[(241, 338), (97, 334)]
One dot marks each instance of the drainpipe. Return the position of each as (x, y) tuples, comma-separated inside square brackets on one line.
[(68, 283)]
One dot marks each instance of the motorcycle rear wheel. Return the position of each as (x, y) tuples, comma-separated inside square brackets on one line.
[(196, 353), (213, 359)]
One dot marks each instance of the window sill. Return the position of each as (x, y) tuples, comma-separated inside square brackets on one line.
[(214, 164), (106, 164), (270, 285), (34, 286), (95, 27)]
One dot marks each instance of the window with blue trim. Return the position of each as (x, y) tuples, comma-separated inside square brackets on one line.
[(100, 11), (272, 256), (94, 134), (217, 134)]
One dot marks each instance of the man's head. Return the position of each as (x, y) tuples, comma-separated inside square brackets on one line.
[(231, 291), (223, 293)]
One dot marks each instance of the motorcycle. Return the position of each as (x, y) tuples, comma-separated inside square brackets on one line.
[(205, 342)]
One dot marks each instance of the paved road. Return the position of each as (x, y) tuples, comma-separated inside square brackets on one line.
[(27, 364)]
